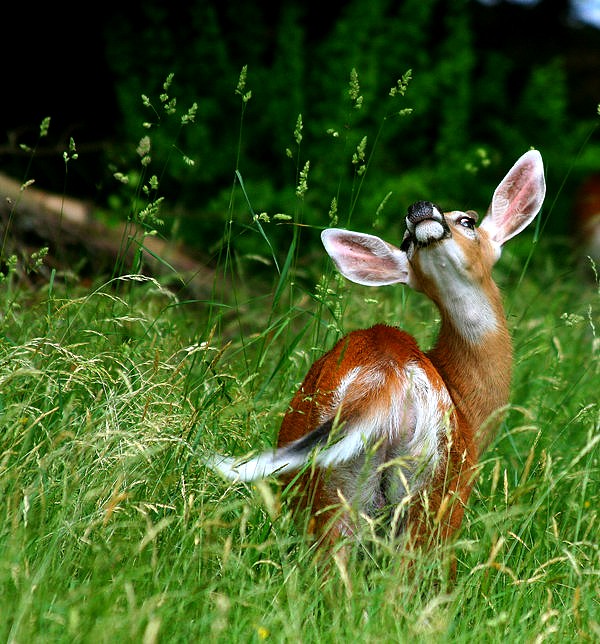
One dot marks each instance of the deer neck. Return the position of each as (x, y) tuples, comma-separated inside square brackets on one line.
[(473, 354)]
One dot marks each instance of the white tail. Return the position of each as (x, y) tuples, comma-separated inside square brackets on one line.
[(381, 425)]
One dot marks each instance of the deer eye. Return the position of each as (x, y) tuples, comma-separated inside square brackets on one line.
[(467, 222)]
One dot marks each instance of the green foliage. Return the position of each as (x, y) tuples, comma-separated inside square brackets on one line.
[(463, 98)]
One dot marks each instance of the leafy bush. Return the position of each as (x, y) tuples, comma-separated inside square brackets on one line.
[(474, 108)]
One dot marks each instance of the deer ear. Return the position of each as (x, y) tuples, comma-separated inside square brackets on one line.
[(517, 199), (366, 259)]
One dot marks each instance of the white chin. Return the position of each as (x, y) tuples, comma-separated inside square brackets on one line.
[(429, 231)]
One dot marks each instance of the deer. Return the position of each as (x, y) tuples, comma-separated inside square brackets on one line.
[(380, 429)]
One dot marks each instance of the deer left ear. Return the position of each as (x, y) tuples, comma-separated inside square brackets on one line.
[(517, 199), (366, 259)]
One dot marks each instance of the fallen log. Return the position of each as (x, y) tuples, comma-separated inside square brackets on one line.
[(79, 243)]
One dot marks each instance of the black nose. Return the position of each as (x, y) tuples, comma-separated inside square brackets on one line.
[(421, 210)]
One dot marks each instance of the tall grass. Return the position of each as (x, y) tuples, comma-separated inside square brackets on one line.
[(113, 531)]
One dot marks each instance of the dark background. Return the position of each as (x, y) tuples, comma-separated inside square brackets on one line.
[(498, 77)]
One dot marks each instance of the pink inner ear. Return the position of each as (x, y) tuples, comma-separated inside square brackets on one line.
[(341, 247), (517, 199), (350, 251), (365, 259)]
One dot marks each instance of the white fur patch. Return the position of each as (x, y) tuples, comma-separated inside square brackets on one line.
[(409, 417), (465, 303), (340, 393), (259, 467), (428, 231), (432, 408)]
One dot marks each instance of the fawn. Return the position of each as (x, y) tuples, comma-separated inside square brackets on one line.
[(380, 428)]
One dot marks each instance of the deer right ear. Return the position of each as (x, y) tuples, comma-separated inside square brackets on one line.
[(366, 259), (517, 199)]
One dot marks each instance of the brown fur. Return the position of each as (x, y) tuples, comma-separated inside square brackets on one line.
[(412, 425)]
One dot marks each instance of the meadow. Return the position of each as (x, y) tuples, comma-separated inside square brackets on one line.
[(113, 530), (112, 393)]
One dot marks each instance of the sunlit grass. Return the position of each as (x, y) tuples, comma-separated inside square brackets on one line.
[(113, 530)]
